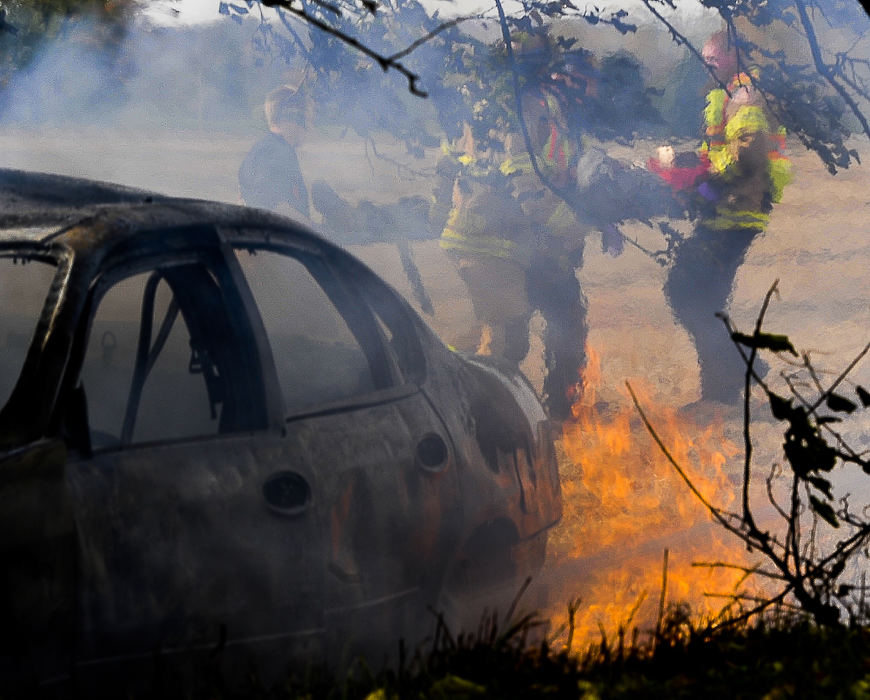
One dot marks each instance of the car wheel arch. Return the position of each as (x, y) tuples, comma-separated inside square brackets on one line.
[(481, 576)]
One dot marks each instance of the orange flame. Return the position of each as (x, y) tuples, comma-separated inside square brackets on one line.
[(624, 504)]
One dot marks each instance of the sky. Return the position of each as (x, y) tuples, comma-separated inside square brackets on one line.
[(188, 11), (199, 11)]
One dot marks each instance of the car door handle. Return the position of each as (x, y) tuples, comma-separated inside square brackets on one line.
[(287, 493)]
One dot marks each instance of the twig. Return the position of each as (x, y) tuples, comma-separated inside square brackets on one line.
[(761, 607), (747, 440), (842, 376), (435, 32), (663, 595), (745, 597), (385, 62), (775, 471), (752, 570), (309, 56), (805, 356), (793, 533), (370, 142), (713, 510), (850, 454), (681, 39)]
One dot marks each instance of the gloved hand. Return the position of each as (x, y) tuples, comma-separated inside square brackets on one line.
[(612, 241)]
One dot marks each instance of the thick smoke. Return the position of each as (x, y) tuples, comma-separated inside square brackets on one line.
[(122, 95)]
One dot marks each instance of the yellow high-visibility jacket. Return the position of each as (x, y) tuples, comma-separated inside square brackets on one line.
[(746, 156), (484, 219)]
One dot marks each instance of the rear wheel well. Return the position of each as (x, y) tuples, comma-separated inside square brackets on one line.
[(482, 576), (492, 540)]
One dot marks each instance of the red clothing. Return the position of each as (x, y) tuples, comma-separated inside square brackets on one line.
[(680, 178)]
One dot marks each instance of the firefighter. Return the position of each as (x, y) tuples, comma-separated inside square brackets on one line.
[(552, 286), (523, 208), (739, 173), (489, 239), (516, 243)]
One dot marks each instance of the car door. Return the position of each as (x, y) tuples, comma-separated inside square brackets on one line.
[(194, 512), (384, 461)]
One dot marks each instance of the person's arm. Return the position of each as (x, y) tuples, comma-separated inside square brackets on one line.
[(286, 209)]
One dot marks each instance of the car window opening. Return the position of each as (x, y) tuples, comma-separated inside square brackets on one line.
[(395, 325), (325, 346), (176, 372)]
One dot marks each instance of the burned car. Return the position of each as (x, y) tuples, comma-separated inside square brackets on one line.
[(220, 431)]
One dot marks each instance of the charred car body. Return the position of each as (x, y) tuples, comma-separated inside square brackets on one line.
[(220, 431)]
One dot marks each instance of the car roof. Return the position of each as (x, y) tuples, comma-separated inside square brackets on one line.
[(40, 208)]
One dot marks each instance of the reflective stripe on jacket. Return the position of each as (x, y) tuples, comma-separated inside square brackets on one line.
[(727, 218), (486, 220)]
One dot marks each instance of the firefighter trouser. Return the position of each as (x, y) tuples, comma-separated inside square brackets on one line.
[(497, 288), (554, 290), (698, 286)]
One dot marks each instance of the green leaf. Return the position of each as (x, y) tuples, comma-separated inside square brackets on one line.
[(824, 511), (765, 341), (844, 589), (779, 406), (840, 403), (805, 449), (864, 395), (821, 484)]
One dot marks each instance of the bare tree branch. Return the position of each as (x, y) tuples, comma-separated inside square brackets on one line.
[(385, 62), (823, 68), (737, 567), (713, 510), (681, 39), (423, 39)]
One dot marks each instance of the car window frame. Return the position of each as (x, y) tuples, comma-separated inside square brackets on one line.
[(284, 242), (393, 311), (36, 252), (27, 413), (129, 263)]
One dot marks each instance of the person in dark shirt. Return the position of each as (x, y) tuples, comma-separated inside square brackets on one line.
[(270, 177)]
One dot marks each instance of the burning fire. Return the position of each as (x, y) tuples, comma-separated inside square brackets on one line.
[(624, 504)]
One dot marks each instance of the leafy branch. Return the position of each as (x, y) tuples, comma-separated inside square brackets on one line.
[(812, 537), (812, 95)]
